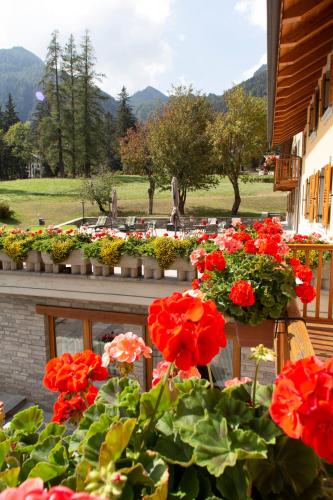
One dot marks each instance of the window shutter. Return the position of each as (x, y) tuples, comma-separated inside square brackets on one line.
[(304, 141), (308, 119), (311, 197), (327, 195), (330, 100), (316, 197), (322, 93), (307, 199)]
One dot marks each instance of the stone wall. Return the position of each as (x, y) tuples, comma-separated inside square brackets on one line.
[(25, 344)]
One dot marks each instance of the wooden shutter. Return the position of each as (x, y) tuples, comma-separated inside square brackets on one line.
[(316, 197), (304, 141), (322, 93), (330, 94), (311, 197), (327, 195), (308, 120), (307, 199), (316, 105)]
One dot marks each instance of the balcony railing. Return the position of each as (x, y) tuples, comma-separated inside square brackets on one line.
[(287, 173)]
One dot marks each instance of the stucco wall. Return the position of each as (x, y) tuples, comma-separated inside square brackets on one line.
[(319, 153)]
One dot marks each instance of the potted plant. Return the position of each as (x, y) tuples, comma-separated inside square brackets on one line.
[(60, 249), (184, 438), (15, 249), (162, 253), (246, 272), (107, 252)]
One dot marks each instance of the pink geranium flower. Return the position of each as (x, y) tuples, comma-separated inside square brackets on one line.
[(237, 381), (33, 489), (125, 348), (228, 243), (162, 368), (197, 255)]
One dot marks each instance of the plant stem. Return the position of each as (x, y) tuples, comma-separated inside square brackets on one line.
[(255, 384), (159, 397), (210, 375)]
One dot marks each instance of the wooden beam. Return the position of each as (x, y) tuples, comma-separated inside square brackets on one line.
[(316, 60), (308, 28), (92, 315), (302, 51), (295, 12), (289, 81), (303, 87), (286, 108)]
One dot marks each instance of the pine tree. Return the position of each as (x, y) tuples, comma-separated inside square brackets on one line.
[(9, 116), (69, 70), (52, 86), (90, 111), (125, 117), (111, 147)]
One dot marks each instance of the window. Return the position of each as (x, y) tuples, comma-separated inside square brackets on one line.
[(72, 330)]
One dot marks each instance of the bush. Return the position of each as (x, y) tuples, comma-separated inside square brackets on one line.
[(5, 211)]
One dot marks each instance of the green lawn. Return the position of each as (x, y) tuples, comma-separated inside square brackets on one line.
[(57, 200)]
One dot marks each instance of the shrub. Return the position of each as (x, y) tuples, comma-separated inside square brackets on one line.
[(5, 211)]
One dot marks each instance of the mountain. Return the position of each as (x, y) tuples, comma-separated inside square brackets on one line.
[(146, 101), (20, 73)]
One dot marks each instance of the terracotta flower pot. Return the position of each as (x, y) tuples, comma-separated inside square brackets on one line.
[(251, 336)]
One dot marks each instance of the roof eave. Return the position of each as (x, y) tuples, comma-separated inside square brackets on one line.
[(273, 34)]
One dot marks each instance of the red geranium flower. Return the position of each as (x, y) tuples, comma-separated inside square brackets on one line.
[(304, 273), (305, 292), (318, 430), (94, 362), (186, 330), (68, 407), (215, 261), (250, 247), (196, 284), (242, 294)]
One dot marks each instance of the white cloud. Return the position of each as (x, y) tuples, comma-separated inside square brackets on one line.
[(182, 37), (249, 72), (254, 11), (128, 35)]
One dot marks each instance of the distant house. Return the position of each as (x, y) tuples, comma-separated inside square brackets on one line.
[(300, 108), (35, 167)]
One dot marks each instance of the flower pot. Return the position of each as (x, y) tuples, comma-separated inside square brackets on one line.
[(130, 266), (184, 268), (251, 336), (49, 265), (8, 264), (151, 269), (78, 263), (33, 262), (99, 269)]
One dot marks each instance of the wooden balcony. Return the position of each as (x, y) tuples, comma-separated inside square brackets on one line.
[(287, 173)]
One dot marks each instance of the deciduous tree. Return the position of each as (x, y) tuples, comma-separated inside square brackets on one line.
[(237, 136), (178, 143), (136, 157)]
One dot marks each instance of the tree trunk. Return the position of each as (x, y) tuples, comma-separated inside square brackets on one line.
[(100, 206), (237, 197), (151, 192), (182, 200)]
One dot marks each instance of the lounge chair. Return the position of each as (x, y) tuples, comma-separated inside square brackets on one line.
[(129, 225), (102, 221)]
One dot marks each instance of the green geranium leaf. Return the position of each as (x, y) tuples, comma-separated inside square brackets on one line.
[(9, 477), (42, 451), (91, 415), (154, 465), (266, 429), (235, 411), (247, 444), (149, 399), (136, 475), (52, 429), (191, 408), (4, 449), (212, 447), (47, 471), (165, 423), (27, 421), (116, 440), (291, 466), (189, 486), (122, 394), (174, 450), (234, 482)]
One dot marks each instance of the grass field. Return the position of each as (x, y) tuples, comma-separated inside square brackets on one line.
[(57, 200)]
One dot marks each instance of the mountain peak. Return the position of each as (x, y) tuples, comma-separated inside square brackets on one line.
[(147, 94)]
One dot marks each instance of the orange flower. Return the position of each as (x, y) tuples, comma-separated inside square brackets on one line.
[(187, 330)]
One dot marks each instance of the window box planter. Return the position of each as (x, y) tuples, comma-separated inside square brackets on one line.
[(34, 262), (8, 264), (130, 266), (99, 269), (185, 270), (76, 260)]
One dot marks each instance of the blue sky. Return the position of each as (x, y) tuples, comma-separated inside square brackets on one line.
[(208, 43)]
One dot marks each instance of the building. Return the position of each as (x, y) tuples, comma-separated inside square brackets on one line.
[(300, 109)]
